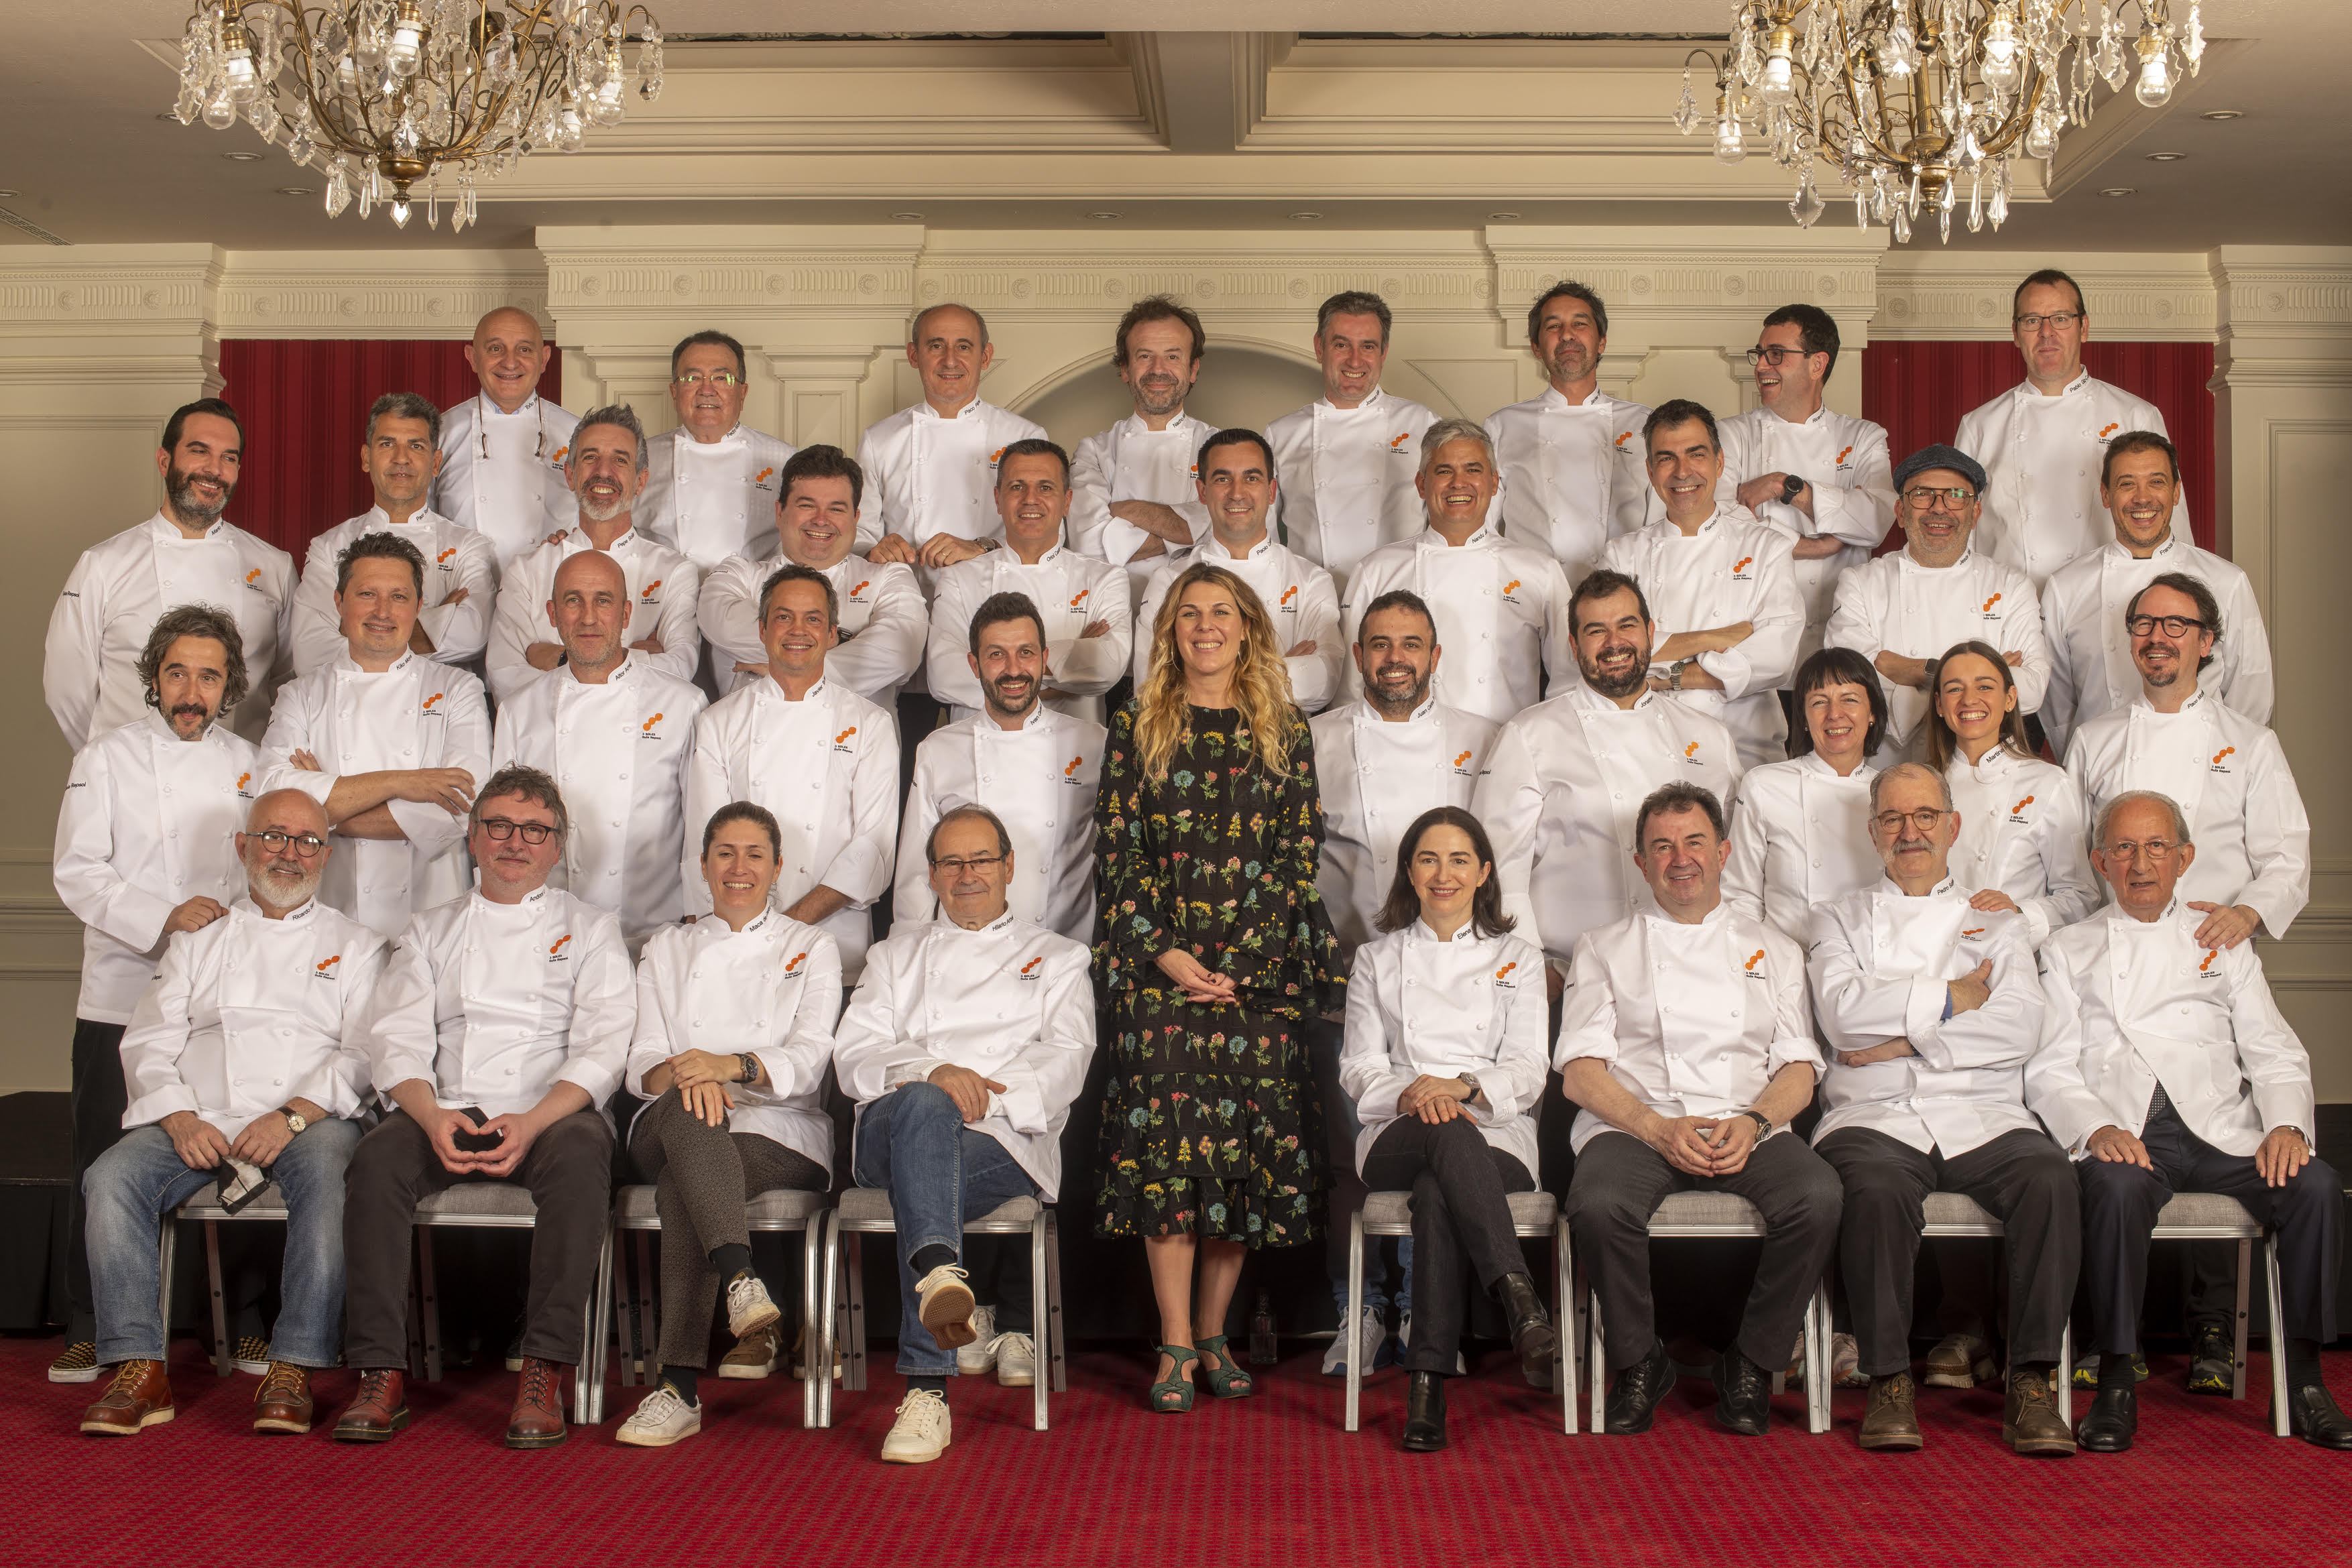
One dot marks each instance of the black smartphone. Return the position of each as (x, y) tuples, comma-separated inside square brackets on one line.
[(477, 1142)]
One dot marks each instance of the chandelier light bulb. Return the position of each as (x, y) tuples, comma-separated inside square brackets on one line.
[(1730, 146), (2155, 88), (2040, 139), (406, 51), (1999, 68), (1778, 86), (220, 110), (237, 68), (400, 211)]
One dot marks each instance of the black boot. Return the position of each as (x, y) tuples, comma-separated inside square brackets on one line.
[(2114, 1416), (2312, 1416), (1639, 1388), (1424, 1414), (1532, 1335), (1743, 1395)]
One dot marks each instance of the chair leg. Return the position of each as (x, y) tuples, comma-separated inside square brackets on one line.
[(1564, 1313), (428, 1303), (2066, 1373), (588, 1382), (1352, 1342), (2278, 1424), (829, 1320), (853, 1285), (167, 1243), (416, 1330), (1053, 1301), (812, 1346), (1817, 1369), (222, 1363), (1596, 1357), (625, 1317), (1040, 1378), (648, 1310), (2245, 1290)]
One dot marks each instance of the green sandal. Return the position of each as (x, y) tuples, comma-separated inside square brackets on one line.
[(1228, 1381), (1174, 1396)]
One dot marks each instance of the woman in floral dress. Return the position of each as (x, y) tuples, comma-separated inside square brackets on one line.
[(1215, 949)]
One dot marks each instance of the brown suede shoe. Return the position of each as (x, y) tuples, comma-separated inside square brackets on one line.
[(282, 1403), (1892, 1420), (140, 1396), (538, 1418), (2030, 1421), (379, 1410)]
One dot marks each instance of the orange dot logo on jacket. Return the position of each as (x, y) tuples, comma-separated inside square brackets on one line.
[(650, 588), (1974, 930), (1624, 437), (1742, 565), (1844, 453), (1072, 771), (2225, 751), (842, 738), (761, 476), (436, 697), (242, 781), (1990, 602), (1510, 588), (2110, 430), (1079, 596), (2211, 954), (561, 453), (1505, 971), (1033, 963), (994, 456), (1753, 959), (1462, 760), (1692, 749), (1288, 594), (795, 963), (2021, 806), (859, 589), (443, 558), (560, 940), (339, 958), (1396, 443), (648, 725)]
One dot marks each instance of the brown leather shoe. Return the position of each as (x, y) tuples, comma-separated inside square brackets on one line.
[(1892, 1420), (2030, 1421), (379, 1410), (282, 1403), (538, 1418), (140, 1396)]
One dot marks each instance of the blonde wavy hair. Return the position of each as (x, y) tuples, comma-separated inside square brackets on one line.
[(1261, 679)]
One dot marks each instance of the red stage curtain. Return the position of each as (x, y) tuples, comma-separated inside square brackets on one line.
[(1920, 391), (304, 403)]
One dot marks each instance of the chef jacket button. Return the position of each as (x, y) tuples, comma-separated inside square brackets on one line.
[(240, 1083), (1817, 862), (510, 1073), (277, 1082)]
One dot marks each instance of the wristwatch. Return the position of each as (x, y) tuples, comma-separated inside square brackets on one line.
[(1763, 1123), (1470, 1084), (750, 1066), (295, 1120), (1791, 488), (1675, 674)]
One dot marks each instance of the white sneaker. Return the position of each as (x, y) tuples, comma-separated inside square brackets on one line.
[(920, 1434), (1372, 1333), (1404, 1339), (1845, 1363), (979, 1358), (749, 1310), (943, 1302), (1017, 1361), (660, 1419)]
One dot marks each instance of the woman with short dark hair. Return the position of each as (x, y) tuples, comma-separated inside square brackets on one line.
[(1800, 835)]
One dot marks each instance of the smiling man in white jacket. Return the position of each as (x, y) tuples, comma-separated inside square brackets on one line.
[(711, 484), (1131, 486)]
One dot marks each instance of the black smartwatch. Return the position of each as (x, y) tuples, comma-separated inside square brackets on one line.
[(1791, 488)]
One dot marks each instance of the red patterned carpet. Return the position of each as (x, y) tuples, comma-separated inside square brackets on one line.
[(1271, 1479)]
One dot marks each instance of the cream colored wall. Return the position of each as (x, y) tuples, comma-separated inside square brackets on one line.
[(97, 343)]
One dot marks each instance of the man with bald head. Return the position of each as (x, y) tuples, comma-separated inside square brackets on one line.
[(711, 484), (503, 449), (615, 734), (247, 1051)]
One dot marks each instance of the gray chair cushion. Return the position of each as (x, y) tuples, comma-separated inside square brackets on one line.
[(1388, 1211), (785, 1209), (1533, 1212), (269, 1203), (2210, 1210), (491, 1200), (1960, 1213), (868, 1208), (1391, 1213), (1711, 1211)]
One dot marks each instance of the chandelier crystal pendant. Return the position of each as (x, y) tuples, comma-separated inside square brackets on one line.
[(1907, 100), (383, 95)]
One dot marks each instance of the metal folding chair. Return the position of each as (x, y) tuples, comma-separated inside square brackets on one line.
[(205, 1205), (2209, 1217), (501, 1205)]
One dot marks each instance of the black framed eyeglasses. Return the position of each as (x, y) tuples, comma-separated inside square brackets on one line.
[(958, 866), (2174, 625), (307, 845), (1954, 500), (1775, 356), (505, 828), (2062, 320)]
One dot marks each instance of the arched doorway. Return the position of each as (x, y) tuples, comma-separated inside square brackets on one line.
[(1239, 386)]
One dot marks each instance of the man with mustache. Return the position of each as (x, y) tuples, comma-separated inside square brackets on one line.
[(502, 449), (712, 483), (1930, 1006), (608, 470), (2082, 604), (2227, 774), (185, 554), (250, 1045), (1903, 610), (1132, 494), (401, 456), (1572, 459), (389, 742), (142, 851)]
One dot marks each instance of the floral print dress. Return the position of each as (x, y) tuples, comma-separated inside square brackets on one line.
[(1211, 1127)]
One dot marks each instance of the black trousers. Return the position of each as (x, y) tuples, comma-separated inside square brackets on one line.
[(2022, 1176), (2119, 1208), (1619, 1183), (98, 1102), (1461, 1214), (569, 1169)]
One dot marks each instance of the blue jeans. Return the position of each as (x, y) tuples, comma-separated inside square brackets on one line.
[(134, 1183), (939, 1171)]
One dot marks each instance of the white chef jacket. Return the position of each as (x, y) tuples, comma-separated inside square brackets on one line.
[(148, 822), (771, 989), (495, 1004), (248, 1014), (1563, 784), (1377, 779), (2091, 668), (926, 475), (1476, 1005), (454, 556), (618, 751), (2230, 777), (417, 713), (1892, 605), (662, 589), (1347, 477), (1011, 1002), (1574, 475), (1693, 1021), (1298, 597), (1881, 963), (121, 585), (1501, 609), (709, 500), (519, 493), (2132, 1004), (1735, 569), (884, 621), (1040, 780), (827, 766), (1132, 462), (1070, 590), (2041, 457), (2023, 833), (1845, 460), (1799, 836)]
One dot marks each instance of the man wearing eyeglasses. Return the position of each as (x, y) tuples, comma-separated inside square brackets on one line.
[(2041, 442), (389, 742), (2091, 670), (711, 484), (501, 1027), (1929, 1007), (2165, 1067), (248, 1047), (1901, 611), (2227, 774), (502, 449)]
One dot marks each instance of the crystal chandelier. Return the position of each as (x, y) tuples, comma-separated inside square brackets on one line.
[(379, 95), (1907, 100)]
